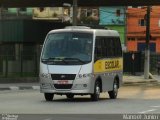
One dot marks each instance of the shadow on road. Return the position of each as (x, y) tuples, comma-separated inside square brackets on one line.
[(77, 100)]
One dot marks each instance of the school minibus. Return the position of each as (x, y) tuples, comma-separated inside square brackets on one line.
[(80, 60)]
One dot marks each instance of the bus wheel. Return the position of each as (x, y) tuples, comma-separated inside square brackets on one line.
[(96, 94), (114, 92), (48, 96), (70, 96)]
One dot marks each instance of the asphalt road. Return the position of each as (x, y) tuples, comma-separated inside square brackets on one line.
[(131, 99)]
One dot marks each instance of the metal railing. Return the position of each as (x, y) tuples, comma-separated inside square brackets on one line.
[(136, 66), (19, 66)]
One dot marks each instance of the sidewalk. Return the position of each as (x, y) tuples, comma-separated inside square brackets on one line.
[(19, 86), (127, 81), (134, 80)]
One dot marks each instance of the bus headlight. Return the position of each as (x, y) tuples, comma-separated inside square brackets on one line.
[(45, 75), (80, 76)]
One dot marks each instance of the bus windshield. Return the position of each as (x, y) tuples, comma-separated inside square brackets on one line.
[(68, 48)]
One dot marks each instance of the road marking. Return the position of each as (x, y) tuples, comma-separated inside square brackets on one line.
[(48, 119), (155, 106), (14, 88), (147, 111)]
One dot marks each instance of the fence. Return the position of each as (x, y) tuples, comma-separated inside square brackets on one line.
[(24, 66), (18, 60), (134, 62)]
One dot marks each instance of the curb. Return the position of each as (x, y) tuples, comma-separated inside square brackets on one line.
[(142, 82), (14, 88), (19, 80), (136, 82)]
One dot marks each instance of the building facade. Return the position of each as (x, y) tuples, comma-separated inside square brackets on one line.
[(15, 44), (21, 38), (85, 15), (16, 13), (23, 30), (61, 14), (136, 29), (113, 18), (88, 15)]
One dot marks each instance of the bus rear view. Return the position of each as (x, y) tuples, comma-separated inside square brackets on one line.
[(67, 64)]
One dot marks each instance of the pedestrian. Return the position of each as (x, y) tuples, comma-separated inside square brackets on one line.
[(158, 66), (133, 64)]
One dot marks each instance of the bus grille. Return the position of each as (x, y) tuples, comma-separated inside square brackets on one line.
[(63, 86), (63, 76)]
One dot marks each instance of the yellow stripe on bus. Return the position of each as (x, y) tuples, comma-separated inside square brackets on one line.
[(108, 65)]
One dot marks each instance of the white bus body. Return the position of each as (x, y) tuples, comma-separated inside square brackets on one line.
[(81, 61)]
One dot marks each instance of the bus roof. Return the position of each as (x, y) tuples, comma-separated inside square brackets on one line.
[(98, 32)]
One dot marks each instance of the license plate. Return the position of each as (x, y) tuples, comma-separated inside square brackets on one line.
[(62, 82)]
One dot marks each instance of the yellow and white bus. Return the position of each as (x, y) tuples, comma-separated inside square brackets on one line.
[(79, 60)]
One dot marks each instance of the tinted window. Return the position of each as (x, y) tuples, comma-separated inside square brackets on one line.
[(107, 47)]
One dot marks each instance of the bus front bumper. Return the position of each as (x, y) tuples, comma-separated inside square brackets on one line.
[(75, 89)]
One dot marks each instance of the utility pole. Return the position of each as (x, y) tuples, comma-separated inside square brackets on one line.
[(125, 28), (74, 22), (1, 12), (147, 50)]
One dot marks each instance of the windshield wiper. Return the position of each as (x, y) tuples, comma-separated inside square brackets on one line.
[(54, 59), (74, 59), (48, 59)]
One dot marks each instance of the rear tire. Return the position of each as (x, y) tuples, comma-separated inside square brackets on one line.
[(96, 94), (48, 96), (113, 94), (70, 96)]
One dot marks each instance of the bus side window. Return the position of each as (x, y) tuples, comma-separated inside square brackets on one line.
[(109, 46), (98, 49), (117, 47)]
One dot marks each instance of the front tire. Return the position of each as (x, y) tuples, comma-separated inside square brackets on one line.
[(48, 96), (96, 94), (113, 94)]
